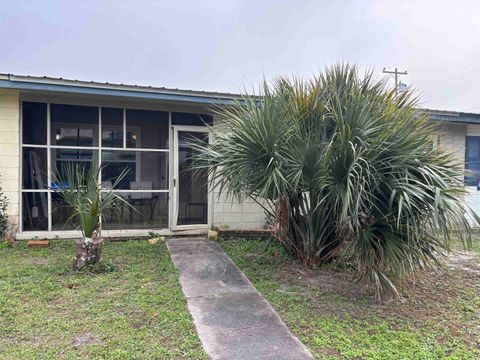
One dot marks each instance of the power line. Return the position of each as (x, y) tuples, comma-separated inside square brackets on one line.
[(396, 74), (472, 108), (427, 80), (445, 43)]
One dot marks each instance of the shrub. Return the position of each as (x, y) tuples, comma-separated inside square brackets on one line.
[(82, 192), (345, 167)]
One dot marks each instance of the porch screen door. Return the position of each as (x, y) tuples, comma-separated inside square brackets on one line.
[(190, 186)]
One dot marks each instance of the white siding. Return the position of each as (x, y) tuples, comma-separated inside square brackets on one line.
[(10, 152)]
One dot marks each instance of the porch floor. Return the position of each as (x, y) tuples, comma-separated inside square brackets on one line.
[(232, 319)]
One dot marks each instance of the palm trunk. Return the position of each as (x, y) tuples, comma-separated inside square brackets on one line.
[(88, 251)]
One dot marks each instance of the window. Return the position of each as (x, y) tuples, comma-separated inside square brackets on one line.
[(34, 168), (137, 166), (150, 210), (62, 158), (147, 129), (182, 118), (115, 163), (135, 141), (34, 123), (35, 211), (73, 125), (112, 127), (472, 161)]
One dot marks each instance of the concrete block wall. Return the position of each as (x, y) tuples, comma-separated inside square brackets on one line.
[(10, 152), (245, 214), (452, 138), (473, 198)]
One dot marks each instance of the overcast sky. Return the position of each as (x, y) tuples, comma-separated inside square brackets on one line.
[(228, 45)]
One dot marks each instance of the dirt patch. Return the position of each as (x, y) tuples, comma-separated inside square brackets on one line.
[(446, 298), (464, 261), (331, 352), (40, 261), (57, 302), (328, 281), (21, 341), (85, 339)]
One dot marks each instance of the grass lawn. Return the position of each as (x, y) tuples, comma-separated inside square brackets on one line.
[(132, 309), (336, 317)]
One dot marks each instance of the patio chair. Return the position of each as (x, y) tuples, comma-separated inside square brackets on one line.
[(143, 198)]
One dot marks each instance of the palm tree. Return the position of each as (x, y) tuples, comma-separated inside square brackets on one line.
[(83, 193), (346, 169)]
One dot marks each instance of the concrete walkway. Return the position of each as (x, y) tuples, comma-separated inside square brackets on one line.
[(232, 319)]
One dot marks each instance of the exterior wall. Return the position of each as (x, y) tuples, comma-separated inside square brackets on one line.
[(237, 215), (10, 152), (473, 199), (452, 138), (245, 214)]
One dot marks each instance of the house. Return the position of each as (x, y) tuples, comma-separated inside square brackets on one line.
[(459, 132), (47, 122)]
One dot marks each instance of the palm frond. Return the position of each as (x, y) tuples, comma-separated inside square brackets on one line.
[(82, 192), (351, 169)]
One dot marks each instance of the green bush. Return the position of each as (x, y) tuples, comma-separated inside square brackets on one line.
[(348, 171)]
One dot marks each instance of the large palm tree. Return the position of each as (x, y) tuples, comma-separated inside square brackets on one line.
[(347, 170)]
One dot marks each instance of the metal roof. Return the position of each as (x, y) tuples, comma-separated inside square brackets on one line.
[(50, 84), (69, 86), (453, 116)]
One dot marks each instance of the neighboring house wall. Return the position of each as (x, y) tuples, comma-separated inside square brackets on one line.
[(474, 195), (10, 152), (452, 138)]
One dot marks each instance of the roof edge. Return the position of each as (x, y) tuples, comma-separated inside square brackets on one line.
[(34, 83)]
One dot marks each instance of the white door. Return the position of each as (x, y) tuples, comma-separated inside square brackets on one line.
[(190, 195)]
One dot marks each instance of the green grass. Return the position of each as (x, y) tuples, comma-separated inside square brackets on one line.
[(336, 317), (133, 307)]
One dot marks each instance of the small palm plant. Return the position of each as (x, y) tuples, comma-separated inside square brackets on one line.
[(347, 170), (82, 192)]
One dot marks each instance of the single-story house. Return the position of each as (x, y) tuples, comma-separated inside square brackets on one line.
[(46, 122)]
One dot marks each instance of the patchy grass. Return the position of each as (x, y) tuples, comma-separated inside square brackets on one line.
[(439, 316), (131, 307)]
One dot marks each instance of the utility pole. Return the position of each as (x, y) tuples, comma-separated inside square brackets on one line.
[(395, 73)]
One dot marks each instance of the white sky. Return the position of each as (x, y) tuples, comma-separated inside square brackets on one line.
[(227, 45)]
